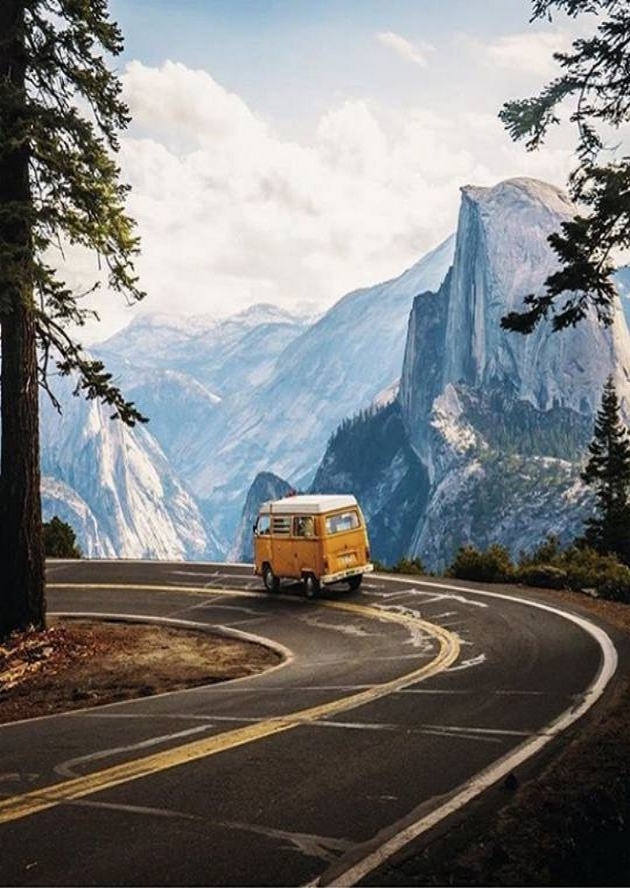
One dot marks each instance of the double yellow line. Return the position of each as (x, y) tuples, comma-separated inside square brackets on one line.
[(38, 800)]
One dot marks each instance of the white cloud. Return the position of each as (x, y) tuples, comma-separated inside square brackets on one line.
[(184, 103), (411, 52), (229, 213), (530, 52)]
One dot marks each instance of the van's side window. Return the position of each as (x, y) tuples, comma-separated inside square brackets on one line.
[(281, 524), (342, 521), (303, 526), (263, 525)]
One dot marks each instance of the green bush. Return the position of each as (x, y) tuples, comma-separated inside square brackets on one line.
[(60, 539), (579, 567), (549, 552), (548, 566), (494, 565), (548, 576), (409, 566), (587, 569)]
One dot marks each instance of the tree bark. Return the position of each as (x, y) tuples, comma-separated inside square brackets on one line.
[(22, 596)]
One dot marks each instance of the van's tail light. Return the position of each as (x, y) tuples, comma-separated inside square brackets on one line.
[(367, 553), (326, 564)]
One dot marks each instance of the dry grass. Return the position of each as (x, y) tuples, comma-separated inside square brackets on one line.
[(80, 663)]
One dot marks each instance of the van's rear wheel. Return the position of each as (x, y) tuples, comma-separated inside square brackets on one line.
[(355, 581), (311, 585), (271, 581)]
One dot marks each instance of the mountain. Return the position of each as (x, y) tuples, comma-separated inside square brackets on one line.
[(115, 486), (225, 356), (450, 430), (332, 369), (370, 456), (178, 406), (493, 425), (191, 376), (258, 392), (266, 486)]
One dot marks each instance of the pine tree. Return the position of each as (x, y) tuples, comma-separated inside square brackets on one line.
[(59, 185), (60, 540), (608, 472), (595, 84)]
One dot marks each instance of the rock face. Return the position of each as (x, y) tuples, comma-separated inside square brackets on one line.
[(371, 457), (116, 488), (266, 486), (498, 421)]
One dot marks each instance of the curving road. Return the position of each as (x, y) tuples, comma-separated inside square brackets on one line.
[(394, 707)]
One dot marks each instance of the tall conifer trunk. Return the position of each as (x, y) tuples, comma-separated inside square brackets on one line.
[(21, 547)]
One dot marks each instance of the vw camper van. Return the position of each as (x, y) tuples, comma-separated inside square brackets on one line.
[(318, 538)]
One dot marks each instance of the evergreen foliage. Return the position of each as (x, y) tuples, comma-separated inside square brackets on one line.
[(362, 445), (60, 540), (595, 79), (368, 454), (608, 472), (409, 566), (578, 567), (494, 565), (60, 112), (513, 426), (74, 194)]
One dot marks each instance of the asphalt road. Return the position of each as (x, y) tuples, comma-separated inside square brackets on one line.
[(394, 706)]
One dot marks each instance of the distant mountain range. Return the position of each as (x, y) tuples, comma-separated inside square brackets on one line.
[(406, 393)]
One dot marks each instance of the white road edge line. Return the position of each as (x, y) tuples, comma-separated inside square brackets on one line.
[(501, 768)]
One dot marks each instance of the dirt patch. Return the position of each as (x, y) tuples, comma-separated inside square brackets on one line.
[(80, 663)]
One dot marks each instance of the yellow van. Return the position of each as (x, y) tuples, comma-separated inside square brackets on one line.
[(319, 539)]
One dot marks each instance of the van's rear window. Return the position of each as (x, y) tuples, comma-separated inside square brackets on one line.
[(281, 524), (342, 521)]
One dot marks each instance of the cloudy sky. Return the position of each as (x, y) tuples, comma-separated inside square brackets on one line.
[(289, 151)]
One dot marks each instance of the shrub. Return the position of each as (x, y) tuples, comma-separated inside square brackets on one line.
[(60, 539), (494, 565), (549, 552), (587, 569), (409, 566), (579, 567), (548, 576)]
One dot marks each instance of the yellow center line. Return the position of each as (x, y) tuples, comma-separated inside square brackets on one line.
[(37, 800)]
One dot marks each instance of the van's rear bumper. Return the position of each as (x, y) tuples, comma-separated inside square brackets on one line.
[(357, 570)]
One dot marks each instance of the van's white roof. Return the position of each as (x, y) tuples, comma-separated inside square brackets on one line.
[(309, 504)]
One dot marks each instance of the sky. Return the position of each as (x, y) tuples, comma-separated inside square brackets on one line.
[(290, 151)]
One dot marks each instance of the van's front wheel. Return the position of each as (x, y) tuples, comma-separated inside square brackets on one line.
[(311, 585), (271, 581)]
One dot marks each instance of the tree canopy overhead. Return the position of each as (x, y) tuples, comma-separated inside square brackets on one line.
[(60, 113), (595, 83), (65, 117)]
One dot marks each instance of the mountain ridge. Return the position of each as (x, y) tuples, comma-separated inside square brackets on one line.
[(487, 414)]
